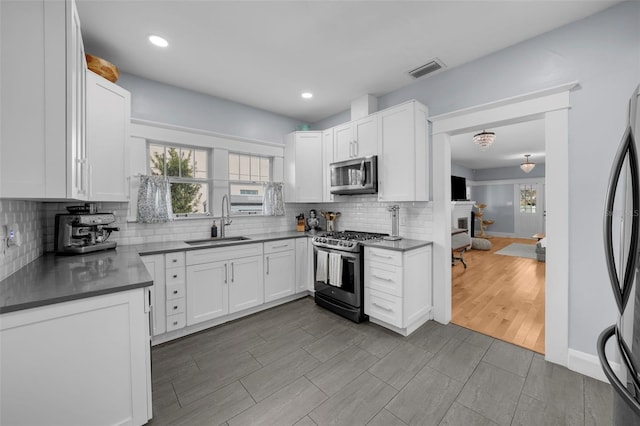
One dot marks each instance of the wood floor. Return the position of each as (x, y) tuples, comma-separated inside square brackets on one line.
[(501, 296)]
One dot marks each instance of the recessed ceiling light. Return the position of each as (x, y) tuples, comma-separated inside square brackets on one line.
[(307, 95), (158, 41)]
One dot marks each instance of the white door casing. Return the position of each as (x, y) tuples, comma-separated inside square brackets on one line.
[(552, 105)]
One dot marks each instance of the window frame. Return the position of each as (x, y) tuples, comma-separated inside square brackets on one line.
[(208, 181), (270, 160)]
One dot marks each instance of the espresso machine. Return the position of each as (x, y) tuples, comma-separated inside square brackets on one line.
[(82, 233)]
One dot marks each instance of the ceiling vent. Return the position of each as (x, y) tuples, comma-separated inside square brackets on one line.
[(428, 68)]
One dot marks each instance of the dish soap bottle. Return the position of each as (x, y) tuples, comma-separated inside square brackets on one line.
[(214, 230)]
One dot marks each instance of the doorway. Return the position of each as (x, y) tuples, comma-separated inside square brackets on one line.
[(529, 210), (552, 105)]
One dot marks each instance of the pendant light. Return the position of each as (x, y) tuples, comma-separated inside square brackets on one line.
[(527, 166), (484, 139)]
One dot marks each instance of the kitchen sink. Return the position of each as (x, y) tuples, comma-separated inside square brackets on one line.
[(214, 241)]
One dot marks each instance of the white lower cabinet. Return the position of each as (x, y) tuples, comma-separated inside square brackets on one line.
[(398, 288), (81, 362), (302, 265), (245, 283), (155, 266), (207, 291), (223, 280), (168, 291), (280, 269), (197, 289)]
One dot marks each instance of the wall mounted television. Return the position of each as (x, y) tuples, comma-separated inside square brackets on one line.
[(458, 188)]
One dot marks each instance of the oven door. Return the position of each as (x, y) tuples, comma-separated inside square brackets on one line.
[(352, 274)]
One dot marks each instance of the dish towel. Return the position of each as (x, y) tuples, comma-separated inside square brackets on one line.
[(322, 259), (335, 269)]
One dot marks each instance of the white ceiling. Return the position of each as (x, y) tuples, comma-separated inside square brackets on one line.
[(512, 143), (265, 53)]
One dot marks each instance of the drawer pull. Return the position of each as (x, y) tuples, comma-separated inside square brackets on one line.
[(175, 275), (175, 323), (175, 291), (281, 246), (383, 307), (382, 278), (175, 307), (381, 255), (175, 260)]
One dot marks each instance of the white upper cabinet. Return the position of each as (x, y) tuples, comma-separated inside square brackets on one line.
[(355, 139), (43, 152), (403, 158), (303, 167), (327, 159), (108, 121)]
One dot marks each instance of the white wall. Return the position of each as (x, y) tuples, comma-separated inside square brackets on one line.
[(154, 101)]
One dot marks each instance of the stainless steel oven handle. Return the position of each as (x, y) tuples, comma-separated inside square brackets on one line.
[(363, 174), (344, 254)]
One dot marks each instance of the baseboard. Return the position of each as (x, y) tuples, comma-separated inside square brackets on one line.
[(589, 365)]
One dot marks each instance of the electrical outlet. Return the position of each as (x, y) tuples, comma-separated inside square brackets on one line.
[(3, 240), (13, 235)]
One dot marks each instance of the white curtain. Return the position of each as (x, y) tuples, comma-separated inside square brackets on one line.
[(273, 202), (154, 199)]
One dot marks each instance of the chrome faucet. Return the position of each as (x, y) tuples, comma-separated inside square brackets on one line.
[(225, 222)]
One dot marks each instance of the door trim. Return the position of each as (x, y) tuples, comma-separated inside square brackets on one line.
[(552, 105)]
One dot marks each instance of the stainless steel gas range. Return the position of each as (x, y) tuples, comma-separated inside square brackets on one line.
[(339, 272)]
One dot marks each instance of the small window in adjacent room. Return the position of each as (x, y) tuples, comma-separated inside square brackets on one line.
[(528, 196), (248, 175), (189, 175)]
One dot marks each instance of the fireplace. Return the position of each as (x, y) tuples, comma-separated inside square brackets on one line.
[(461, 214)]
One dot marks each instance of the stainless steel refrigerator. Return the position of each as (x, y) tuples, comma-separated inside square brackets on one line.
[(620, 358)]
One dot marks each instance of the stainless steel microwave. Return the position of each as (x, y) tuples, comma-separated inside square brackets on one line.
[(355, 176)]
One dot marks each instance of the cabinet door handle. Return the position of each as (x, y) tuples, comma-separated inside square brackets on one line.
[(175, 323), (385, 308), (267, 265), (175, 260), (355, 148), (232, 272), (175, 275), (175, 307), (381, 255), (175, 291), (226, 273), (382, 278)]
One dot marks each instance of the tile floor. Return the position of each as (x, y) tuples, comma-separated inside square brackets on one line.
[(298, 364)]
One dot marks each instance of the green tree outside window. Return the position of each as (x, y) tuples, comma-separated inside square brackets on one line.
[(185, 197)]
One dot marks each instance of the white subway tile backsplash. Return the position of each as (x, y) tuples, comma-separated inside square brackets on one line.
[(28, 216), (36, 221)]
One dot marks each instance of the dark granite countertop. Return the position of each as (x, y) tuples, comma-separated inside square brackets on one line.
[(404, 244), (54, 279), (171, 246)]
